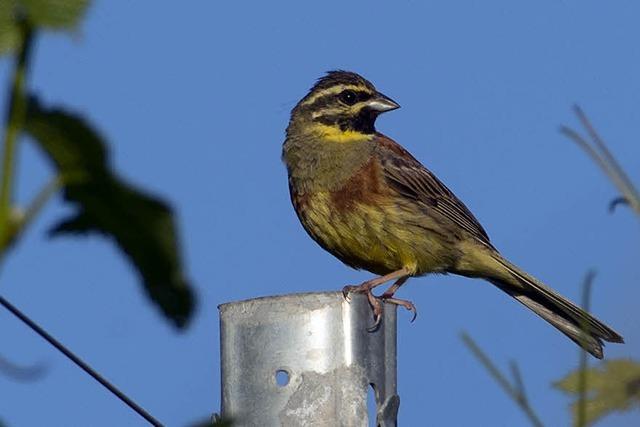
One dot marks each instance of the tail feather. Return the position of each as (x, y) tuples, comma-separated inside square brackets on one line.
[(580, 326)]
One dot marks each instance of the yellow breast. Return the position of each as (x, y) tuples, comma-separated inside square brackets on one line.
[(364, 236)]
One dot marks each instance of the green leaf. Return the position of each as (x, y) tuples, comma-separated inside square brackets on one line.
[(613, 386), (46, 14), (141, 225)]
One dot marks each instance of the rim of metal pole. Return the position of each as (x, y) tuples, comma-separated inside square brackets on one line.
[(307, 359)]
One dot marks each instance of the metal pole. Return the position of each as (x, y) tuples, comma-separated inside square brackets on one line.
[(307, 360)]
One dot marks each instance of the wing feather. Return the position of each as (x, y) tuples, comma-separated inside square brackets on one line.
[(411, 179)]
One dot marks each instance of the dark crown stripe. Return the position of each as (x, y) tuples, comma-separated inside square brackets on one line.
[(339, 77)]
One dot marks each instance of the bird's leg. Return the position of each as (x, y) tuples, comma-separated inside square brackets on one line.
[(366, 286), (369, 285), (387, 296), (394, 288)]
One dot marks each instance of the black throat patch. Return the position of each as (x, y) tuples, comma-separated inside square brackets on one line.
[(363, 121)]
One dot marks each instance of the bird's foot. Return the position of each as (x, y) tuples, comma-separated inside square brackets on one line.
[(401, 302), (374, 301), (377, 306), (378, 310), (377, 302), (355, 289)]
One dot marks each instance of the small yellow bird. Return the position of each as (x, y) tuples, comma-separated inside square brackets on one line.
[(369, 202)]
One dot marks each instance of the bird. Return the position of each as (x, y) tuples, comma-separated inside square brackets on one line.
[(369, 202)]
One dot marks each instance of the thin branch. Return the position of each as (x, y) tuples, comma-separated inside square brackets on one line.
[(515, 392), (20, 221), (617, 201), (39, 201), (599, 152), (606, 154), (15, 122), (592, 152), (42, 197), (517, 380)]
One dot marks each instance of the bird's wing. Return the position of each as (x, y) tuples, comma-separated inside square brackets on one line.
[(411, 179)]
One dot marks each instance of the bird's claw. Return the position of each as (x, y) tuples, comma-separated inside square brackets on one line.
[(377, 302), (376, 323), (376, 305), (404, 303), (374, 302), (348, 289)]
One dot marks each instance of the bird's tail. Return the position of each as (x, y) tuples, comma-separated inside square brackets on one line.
[(567, 317)]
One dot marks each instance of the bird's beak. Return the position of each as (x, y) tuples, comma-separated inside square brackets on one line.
[(382, 103)]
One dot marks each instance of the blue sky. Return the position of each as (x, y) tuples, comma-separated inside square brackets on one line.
[(194, 101)]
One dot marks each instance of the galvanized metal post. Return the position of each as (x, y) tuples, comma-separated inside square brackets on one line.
[(307, 360)]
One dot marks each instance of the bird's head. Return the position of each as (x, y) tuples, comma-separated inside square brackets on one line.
[(342, 105)]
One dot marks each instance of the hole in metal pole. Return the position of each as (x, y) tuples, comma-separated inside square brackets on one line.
[(282, 377), (372, 405)]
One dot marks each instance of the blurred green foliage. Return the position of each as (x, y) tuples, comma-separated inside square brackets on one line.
[(41, 14), (615, 384), (612, 386), (142, 225)]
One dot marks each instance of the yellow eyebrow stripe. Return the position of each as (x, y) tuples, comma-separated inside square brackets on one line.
[(333, 90), (354, 109)]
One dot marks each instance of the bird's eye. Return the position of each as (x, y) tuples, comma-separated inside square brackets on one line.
[(349, 97)]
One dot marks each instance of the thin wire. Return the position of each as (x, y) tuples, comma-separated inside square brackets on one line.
[(82, 365)]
